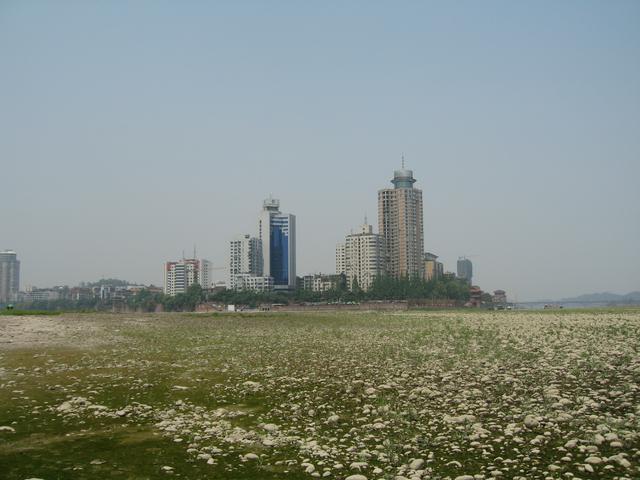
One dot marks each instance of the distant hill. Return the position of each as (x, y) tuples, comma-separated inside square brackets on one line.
[(632, 297)]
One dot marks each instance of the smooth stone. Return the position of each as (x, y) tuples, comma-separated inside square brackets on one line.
[(530, 421)]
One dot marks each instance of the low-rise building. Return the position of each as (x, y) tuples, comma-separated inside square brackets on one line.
[(433, 269), (80, 293), (475, 296), (39, 295), (254, 283), (499, 297), (322, 283)]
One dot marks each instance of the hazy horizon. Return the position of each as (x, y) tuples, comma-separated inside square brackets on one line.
[(132, 131)]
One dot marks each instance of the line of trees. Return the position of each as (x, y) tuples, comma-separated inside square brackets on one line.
[(383, 288)]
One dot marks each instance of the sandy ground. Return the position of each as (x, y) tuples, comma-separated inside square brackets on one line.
[(36, 331)]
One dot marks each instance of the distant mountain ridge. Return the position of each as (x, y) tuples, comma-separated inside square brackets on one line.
[(631, 297)]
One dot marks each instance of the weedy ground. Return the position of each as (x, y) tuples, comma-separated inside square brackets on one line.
[(430, 395)]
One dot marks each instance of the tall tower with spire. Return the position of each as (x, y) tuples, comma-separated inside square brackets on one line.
[(400, 223)]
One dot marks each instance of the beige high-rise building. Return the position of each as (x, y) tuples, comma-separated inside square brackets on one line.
[(400, 223), (364, 257)]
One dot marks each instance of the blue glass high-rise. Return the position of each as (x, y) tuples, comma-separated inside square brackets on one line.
[(277, 232)]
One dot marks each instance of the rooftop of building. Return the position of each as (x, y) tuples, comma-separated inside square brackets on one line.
[(403, 178), (271, 204)]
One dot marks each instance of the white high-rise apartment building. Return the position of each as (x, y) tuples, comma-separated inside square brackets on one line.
[(180, 275), (340, 259), (245, 259), (400, 223), (277, 233), (9, 276), (364, 257)]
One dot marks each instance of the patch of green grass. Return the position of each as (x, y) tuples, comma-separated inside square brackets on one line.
[(494, 365)]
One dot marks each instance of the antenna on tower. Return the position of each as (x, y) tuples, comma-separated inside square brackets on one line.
[(403, 161), (365, 219), (183, 254), (194, 251)]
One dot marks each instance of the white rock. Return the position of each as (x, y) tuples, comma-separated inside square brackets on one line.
[(593, 460), (531, 421), (416, 464), (623, 462), (571, 444), (64, 407), (460, 419), (7, 429), (356, 477)]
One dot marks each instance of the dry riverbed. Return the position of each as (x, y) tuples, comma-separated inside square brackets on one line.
[(454, 395)]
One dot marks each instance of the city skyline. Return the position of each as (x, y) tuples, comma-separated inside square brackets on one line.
[(522, 128)]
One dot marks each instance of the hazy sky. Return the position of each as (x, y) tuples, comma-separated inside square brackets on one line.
[(131, 130)]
